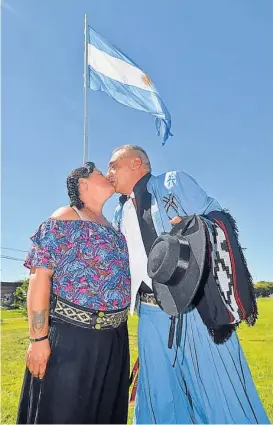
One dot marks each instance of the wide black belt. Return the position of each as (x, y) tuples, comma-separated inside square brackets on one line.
[(84, 317)]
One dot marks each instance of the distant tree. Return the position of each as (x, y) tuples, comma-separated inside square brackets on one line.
[(263, 289), (20, 296)]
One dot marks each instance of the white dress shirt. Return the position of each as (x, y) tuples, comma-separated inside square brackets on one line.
[(137, 254)]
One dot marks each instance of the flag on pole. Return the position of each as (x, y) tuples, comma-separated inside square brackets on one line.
[(111, 71)]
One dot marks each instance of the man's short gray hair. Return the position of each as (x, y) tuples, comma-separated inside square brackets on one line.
[(140, 152)]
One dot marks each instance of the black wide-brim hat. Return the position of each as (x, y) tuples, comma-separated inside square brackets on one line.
[(176, 263)]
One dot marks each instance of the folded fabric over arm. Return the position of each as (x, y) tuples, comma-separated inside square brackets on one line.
[(226, 294)]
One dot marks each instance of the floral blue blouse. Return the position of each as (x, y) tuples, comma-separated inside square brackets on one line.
[(90, 262)]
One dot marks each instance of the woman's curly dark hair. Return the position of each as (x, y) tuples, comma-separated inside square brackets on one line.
[(72, 183)]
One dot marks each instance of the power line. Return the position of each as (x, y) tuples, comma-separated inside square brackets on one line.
[(14, 249), (7, 257)]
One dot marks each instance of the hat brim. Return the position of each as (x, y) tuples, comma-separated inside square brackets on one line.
[(177, 294)]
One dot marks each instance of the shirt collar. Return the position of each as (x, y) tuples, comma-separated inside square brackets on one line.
[(139, 188)]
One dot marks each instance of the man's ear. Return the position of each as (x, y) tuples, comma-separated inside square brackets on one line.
[(137, 162)]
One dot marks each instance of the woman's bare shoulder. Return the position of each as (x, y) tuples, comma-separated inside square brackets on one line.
[(65, 213)]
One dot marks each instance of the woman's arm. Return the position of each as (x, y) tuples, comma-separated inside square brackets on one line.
[(38, 313)]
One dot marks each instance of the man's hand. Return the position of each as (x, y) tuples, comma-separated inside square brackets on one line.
[(37, 357), (176, 220)]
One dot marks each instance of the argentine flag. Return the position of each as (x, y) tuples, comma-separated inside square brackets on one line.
[(114, 73)]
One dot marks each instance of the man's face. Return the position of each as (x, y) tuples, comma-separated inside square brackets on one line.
[(121, 171)]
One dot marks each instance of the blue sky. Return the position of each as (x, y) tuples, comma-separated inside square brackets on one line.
[(212, 63)]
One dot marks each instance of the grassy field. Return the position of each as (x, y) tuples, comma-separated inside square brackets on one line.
[(257, 343)]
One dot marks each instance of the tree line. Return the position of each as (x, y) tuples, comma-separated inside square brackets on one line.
[(262, 289)]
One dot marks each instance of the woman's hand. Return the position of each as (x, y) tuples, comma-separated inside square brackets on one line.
[(37, 357)]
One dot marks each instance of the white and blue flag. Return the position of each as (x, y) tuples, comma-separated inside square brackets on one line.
[(114, 73)]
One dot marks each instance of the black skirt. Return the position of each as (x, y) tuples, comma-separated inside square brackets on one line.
[(86, 381)]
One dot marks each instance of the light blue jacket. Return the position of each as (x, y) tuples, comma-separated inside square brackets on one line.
[(173, 193)]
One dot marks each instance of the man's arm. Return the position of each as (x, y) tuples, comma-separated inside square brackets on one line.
[(194, 200)]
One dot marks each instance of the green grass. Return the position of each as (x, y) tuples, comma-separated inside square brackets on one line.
[(257, 343), (13, 352)]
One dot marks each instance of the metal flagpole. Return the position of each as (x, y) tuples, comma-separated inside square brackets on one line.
[(85, 139)]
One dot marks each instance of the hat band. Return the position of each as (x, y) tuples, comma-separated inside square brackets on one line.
[(182, 262)]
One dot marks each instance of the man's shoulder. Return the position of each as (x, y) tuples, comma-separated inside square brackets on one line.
[(117, 216), (170, 178), (171, 173)]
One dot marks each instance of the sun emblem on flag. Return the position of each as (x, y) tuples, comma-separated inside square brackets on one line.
[(147, 80)]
